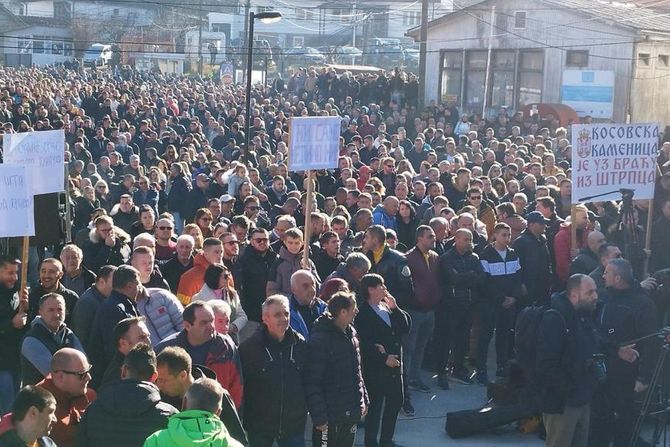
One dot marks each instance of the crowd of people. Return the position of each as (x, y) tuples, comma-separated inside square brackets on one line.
[(184, 308)]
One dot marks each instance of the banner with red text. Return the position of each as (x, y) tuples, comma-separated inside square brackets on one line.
[(610, 157)]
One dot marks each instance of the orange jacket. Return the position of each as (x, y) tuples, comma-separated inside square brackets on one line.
[(69, 412), (192, 280)]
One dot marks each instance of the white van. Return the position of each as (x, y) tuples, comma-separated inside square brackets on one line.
[(98, 55)]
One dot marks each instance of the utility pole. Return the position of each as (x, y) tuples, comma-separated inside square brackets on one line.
[(247, 9), (488, 64), (422, 53), (200, 39)]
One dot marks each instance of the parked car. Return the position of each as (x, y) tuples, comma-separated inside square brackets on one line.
[(348, 55), (304, 56)]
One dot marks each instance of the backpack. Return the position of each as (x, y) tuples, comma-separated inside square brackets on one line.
[(525, 334)]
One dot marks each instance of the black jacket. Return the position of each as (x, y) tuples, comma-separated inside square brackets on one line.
[(503, 277), (37, 292), (625, 315), (254, 266), (172, 271), (9, 335), (397, 275), (125, 414), (325, 264), (566, 342), (372, 331), (274, 398), (585, 262), (462, 276), (536, 272), (333, 380)]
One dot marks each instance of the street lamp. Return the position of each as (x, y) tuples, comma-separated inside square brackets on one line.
[(267, 18)]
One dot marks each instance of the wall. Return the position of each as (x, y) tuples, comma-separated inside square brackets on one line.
[(545, 28), (651, 84)]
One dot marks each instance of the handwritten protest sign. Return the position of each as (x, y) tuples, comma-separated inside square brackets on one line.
[(314, 143), (16, 202), (610, 157), (42, 153)]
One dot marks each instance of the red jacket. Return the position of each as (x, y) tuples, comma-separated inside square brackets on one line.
[(221, 357), (192, 280), (69, 412), (562, 243)]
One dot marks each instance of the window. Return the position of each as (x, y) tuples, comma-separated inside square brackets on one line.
[(450, 88), (577, 58), (24, 44), (520, 20), (219, 27), (475, 80), (68, 49), (411, 18), (115, 12), (664, 61), (531, 67), (57, 47), (500, 25), (38, 44), (644, 59), (298, 41), (502, 79)]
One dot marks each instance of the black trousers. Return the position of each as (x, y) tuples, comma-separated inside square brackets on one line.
[(612, 412), (340, 435), (386, 393), (450, 338)]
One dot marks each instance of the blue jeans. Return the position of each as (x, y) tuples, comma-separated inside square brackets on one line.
[(9, 384), (262, 440), (414, 344), (178, 222)]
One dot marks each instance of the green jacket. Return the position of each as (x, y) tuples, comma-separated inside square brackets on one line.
[(192, 428)]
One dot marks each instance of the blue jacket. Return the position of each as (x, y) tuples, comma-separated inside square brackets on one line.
[(381, 217), (298, 323)]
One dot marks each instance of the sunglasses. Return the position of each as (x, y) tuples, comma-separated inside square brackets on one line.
[(231, 243), (165, 228), (476, 198), (80, 374), (261, 240)]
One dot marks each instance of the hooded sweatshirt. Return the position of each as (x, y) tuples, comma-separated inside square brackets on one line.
[(192, 280), (193, 428)]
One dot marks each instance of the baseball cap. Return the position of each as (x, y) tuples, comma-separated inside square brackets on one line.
[(226, 198), (536, 217)]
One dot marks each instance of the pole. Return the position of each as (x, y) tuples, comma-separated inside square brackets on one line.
[(68, 209), (422, 53), (353, 17), (308, 220), (24, 262), (200, 38), (573, 229), (250, 46), (647, 238), (488, 66)]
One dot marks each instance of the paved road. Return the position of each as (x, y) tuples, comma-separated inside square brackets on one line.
[(426, 429)]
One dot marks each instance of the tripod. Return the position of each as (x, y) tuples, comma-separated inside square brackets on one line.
[(658, 386)]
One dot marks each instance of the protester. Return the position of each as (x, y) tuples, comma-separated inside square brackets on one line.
[(31, 419), (127, 411)]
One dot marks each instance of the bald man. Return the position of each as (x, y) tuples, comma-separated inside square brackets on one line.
[(68, 382), (305, 306), (386, 214), (588, 259)]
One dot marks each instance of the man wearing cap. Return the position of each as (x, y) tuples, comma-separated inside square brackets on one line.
[(533, 251), (227, 204), (197, 198)]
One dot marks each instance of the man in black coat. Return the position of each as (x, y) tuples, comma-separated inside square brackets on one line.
[(128, 411), (566, 343), (533, 251), (389, 263), (254, 263), (13, 318), (334, 387), (272, 363), (625, 313), (381, 324), (462, 275), (120, 305)]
